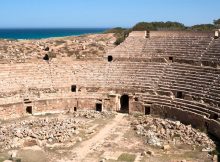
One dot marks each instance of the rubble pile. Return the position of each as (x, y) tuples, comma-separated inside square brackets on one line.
[(94, 114), (49, 130), (159, 132)]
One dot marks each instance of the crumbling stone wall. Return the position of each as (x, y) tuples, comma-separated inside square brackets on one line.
[(185, 117), (11, 111), (53, 105)]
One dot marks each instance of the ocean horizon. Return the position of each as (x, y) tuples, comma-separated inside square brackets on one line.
[(42, 33)]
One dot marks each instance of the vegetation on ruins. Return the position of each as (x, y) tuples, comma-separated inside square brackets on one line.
[(119, 33), (174, 26), (217, 22), (202, 27), (122, 33), (52, 55), (158, 26)]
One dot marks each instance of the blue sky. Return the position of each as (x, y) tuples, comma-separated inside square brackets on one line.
[(104, 13)]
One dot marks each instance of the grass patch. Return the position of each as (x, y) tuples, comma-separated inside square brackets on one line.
[(126, 157)]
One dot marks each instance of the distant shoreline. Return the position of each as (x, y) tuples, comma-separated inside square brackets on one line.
[(45, 33)]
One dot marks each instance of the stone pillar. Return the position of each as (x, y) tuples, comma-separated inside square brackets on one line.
[(147, 34), (217, 33)]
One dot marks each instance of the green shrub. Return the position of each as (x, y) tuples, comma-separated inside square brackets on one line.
[(52, 55), (119, 41), (217, 22), (127, 157), (120, 33), (115, 30), (203, 27), (142, 26)]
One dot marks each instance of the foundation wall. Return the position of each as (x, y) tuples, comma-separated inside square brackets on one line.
[(214, 128), (112, 103), (11, 111), (135, 106), (57, 105), (186, 117)]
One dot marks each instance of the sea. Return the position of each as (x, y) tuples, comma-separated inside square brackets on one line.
[(47, 33)]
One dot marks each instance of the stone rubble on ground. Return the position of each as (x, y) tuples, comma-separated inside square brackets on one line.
[(161, 132), (46, 130), (94, 114)]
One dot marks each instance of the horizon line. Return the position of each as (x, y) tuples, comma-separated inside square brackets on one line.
[(56, 27)]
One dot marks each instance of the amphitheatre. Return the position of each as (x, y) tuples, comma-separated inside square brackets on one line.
[(154, 97)]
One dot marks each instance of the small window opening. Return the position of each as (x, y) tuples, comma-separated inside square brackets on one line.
[(29, 110), (73, 88), (75, 109), (179, 95), (147, 110), (46, 49), (110, 58), (171, 59), (46, 57), (136, 99), (99, 107)]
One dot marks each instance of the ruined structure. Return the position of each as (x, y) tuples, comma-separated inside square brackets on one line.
[(171, 74)]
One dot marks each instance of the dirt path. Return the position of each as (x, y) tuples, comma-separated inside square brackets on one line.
[(87, 147)]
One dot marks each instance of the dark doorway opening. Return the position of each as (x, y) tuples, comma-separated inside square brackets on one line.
[(46, 57), (171, 59), (75, 109), (124, 104), (29, 109), (179, 95), (147, 110), (73, 88), (110, 58), (99, 107)]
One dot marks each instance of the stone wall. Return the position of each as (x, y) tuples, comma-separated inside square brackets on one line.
[(186, 117), (214, 128), (53, 105), (135, 106), (11, 111)]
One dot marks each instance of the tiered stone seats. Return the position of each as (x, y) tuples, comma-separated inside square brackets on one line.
[(174, 103), (177, 47), (136, 76), (213, 53), (130, 48), (197, 84), (122, 75)]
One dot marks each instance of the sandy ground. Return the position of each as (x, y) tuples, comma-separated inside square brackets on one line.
[(88, 147)]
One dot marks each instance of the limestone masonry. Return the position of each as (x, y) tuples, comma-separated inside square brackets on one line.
[(172, 75)]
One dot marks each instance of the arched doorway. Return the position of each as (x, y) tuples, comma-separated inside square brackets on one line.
[(124, 104)]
